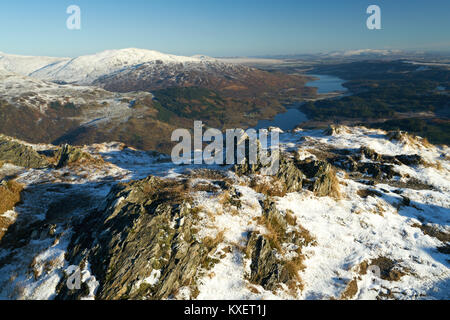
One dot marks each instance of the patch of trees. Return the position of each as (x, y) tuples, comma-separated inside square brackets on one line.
[(189, 102), (380, 99)]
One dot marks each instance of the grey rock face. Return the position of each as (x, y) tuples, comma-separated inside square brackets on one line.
[(20, 155), (68, 154), (268, 267), (145, 226)]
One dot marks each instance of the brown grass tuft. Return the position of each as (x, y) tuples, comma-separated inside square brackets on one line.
[(436, 165), (290, 218), (212, 243), (272, 188), (350, 291), (390, 270), (172, 190), (335, 191), (10, 197), (225, 198)]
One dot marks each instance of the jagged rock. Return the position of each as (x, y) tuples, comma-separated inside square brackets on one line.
[(397, 135), (322, 178), (377, 171), (295, 173), (246, 167), (20, 154), (145, 226), (410, 160), (68, 154), (370, 154), (290, 174), (333, 130), (266, 269), (274, 217)]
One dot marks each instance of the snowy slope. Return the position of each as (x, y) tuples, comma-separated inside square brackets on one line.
[(25, 65), (86, 69), (38, 94)]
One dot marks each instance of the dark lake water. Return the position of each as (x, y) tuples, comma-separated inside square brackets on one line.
[(293, 116), (326, 84), (285, 121)]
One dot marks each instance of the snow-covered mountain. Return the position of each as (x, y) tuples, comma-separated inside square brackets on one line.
[(365, 52), (26, 65), (86, 69)]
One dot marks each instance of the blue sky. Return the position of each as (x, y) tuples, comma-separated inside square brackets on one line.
[(222, 27)]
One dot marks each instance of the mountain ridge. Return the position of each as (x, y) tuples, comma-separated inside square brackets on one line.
[(86, 68)]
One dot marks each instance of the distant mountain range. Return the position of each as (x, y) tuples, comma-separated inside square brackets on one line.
[(365, 54)]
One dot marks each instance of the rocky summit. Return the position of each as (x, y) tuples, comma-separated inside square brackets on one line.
[(344, 201)]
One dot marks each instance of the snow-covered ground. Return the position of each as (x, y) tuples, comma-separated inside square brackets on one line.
[(39, 94), (349, 231)]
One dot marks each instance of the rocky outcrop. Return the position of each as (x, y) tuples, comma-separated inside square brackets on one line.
[(321, 178), (266, 269), (406, 159), (295, 174), (333, 130), (290, 174), (269, 267), (68, 154), (146, 229), (19, 154), (379, 167), (369, 154), (410, 159)]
